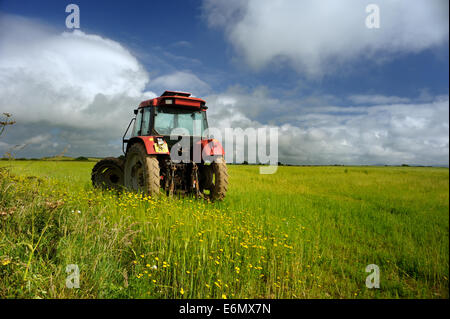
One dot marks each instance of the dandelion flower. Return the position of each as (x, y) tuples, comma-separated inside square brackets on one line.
[(6, 262)]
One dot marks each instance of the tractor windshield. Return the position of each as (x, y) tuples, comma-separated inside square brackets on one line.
[(168, 119)]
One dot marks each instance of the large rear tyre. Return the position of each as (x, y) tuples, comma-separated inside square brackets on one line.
[(215, 180), (142, 171), (108, 173)]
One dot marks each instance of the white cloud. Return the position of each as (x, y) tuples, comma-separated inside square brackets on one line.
[(61, 77), (66, 82), (391, 133), (38, 139), (377, 99), (317, 37)]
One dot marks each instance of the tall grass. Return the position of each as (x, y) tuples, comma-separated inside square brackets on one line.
[(304, 232)]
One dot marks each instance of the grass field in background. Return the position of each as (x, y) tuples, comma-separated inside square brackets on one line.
[(304, 232)]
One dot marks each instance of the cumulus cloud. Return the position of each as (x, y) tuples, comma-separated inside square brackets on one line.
[(318, 37), (386, 133), (66, 89), (74, 78)]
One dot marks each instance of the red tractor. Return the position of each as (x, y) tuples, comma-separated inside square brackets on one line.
[(158, 158)]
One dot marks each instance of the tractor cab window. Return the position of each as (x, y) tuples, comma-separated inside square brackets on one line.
[(145, 121), (168, 119), (137, 124)]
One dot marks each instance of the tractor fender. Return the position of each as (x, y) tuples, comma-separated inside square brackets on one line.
[(150, 145)]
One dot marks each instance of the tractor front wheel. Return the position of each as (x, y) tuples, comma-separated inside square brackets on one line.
[(142, 171)]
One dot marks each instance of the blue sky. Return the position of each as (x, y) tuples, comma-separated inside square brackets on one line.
[(158, 26), (270, 64)]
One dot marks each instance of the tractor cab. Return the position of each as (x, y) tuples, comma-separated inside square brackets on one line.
[(171, 111), (168, 118)]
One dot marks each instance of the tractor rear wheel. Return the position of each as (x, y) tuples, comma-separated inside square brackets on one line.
[(108, 173), (215, 180), (142, 171)]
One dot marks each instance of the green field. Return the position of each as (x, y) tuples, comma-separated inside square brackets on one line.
[(304, 232)]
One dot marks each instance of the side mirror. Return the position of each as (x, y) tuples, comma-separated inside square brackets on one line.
[(136, 111)]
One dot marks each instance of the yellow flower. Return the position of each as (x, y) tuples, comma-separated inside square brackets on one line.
[(142, 256), (224, 296), (6, 262), (182, 291)]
